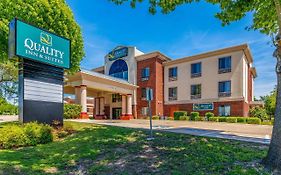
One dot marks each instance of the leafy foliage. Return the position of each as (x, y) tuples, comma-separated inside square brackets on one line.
[(177, 114), (53, 15), (270, 102), (263, 11), (71, 111), (7, 108), (259, 112)]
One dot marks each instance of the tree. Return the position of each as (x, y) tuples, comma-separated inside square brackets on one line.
[(270, 102), (259, 112), (53, 15), (267, 20)]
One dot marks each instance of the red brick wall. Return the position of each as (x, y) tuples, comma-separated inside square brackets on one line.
[(155, 82), (237, 108)]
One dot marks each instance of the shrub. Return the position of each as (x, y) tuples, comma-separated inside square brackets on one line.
[(253, 120), (241, 119), (197, 118), (267, 122), (184, 118), (177, 114), (209, 114), (12, 136), (259, 112), (72, 111), (170, 118), (193, 115), (8, 109), (222, 119), (155, 117), (231, 119), (272, 121), (214, 119)]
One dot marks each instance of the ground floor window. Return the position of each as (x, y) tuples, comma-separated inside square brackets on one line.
[(224, 110), (144, 111), (116, 98)]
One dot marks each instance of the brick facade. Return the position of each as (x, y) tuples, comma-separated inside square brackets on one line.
[(237, 108), (155, 81)]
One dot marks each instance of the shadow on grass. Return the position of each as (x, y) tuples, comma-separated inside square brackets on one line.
[(112, 150)]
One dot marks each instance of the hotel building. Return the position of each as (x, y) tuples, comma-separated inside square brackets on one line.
[(220, 81)]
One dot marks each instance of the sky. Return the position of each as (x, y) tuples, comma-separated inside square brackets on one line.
[(191, 29)]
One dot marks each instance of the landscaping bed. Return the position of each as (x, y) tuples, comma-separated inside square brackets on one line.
[(95, 149)]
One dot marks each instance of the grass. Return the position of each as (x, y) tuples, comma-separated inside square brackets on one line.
[(96, 149)]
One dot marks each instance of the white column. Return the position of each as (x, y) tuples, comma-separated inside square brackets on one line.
[(102, 106), (129, 104), (83, 100), (97, 106), (77, 95), (124, 105)]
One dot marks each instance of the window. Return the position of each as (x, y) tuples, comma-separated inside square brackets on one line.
[(225, 89), (173, 74), (145, 74), (195, 91), (119, 69), (173, 93), (195, 70), (116, 98), (225, 64), (144, 111), (224, 110), (143, 93)]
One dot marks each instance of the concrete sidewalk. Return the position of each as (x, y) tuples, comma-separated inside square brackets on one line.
[(235, 131)]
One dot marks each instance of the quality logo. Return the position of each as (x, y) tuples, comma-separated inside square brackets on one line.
[(46, 39)]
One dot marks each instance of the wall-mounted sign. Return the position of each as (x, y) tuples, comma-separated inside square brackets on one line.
[(36, 44), (203, 107), (117, 53)]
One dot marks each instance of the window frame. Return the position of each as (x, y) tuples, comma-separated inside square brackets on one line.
[(145, 77), (116, 98), (195, 96), (173, 77), (224, 110), (224, 69), (173, 98), (224, 93), (143, 90), (197, 74)]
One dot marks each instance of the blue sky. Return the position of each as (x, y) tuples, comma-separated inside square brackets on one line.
[(189, 30)]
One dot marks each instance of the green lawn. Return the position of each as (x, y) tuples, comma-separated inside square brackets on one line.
[(111, 150)]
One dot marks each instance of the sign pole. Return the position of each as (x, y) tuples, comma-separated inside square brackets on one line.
[(149, 97)]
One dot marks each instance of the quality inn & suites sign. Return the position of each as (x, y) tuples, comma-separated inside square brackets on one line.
[(39, 45)]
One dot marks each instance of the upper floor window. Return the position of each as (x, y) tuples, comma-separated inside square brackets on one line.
[(225, 64), (173, 94), (145, 74), (116, 98), (173, 74), (143, 93), (196, 70), (119, 69), (195, 91), (224, 88)]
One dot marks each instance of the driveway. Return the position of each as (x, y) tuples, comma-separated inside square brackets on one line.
[(235, 131), (8, 118)]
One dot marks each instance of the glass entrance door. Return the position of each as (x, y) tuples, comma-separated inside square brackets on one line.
[(116, 113)]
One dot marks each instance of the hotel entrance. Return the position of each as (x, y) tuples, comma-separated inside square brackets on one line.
[(116, 113)]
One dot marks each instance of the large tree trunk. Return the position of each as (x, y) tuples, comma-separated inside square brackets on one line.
[(273, 159)]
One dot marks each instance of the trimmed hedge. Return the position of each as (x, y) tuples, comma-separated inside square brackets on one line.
[(155, 117), (214, 119), (193, 115), (209, 114), (253, 120), (177, 114), (231, 119), (184, 117), (170, 118), (30, 134), (222, 119), (71, 111), (197, 118), (241, 119)]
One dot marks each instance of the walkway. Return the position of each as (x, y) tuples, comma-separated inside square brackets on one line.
[(235, 131)]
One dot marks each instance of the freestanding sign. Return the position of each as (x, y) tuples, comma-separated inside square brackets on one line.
[(149, 98), (42, 59)]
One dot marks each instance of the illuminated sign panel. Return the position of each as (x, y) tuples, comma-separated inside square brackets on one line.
[(39, 45), (203, 107), (117, 53)]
